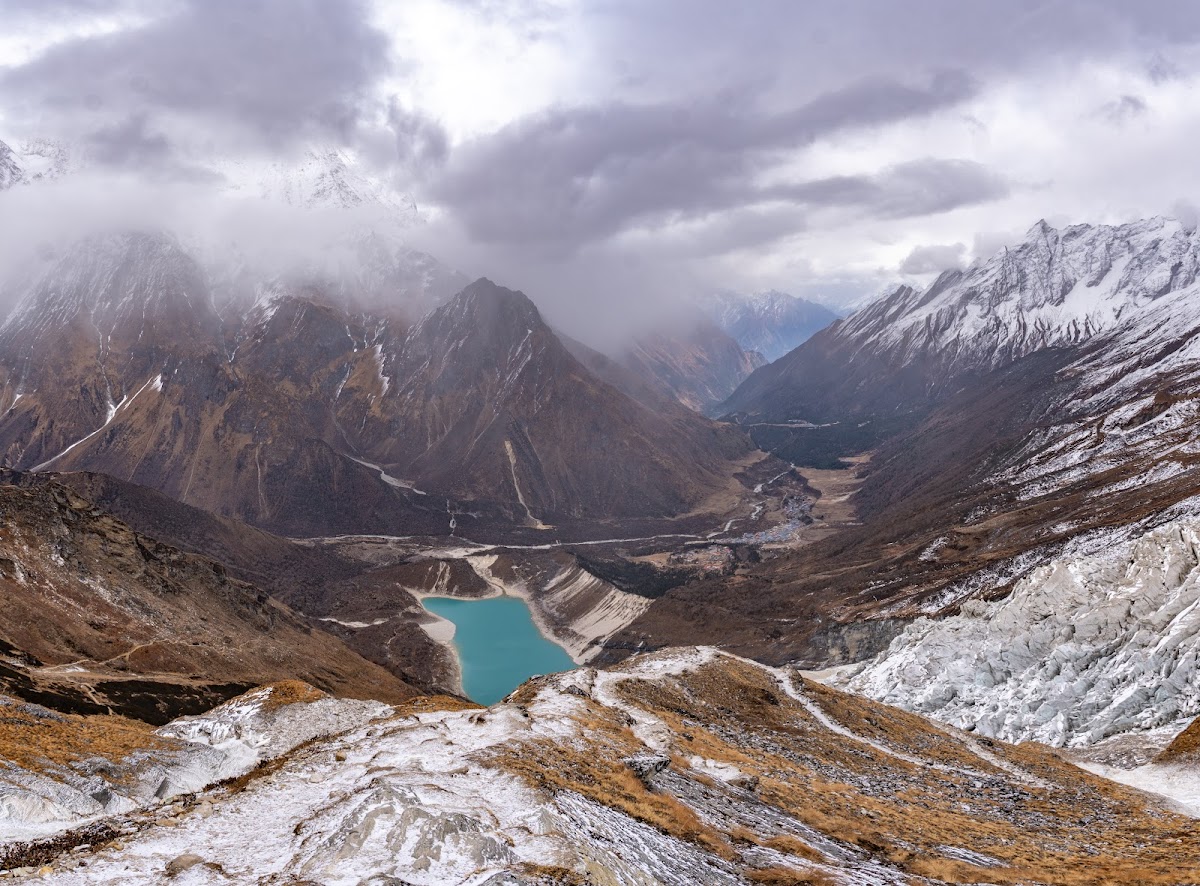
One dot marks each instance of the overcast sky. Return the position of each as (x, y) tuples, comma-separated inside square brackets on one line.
[(824, 148)]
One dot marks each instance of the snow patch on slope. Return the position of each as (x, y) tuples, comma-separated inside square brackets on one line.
[(225, 742)]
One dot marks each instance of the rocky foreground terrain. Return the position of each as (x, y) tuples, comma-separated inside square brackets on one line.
[(686, 766)]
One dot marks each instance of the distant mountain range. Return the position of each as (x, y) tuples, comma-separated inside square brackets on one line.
[(770, 323), (696, 363), (912, 348), (319, 177)]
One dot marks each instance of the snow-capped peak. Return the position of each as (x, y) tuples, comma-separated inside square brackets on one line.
[(1057, 287), (322, 177), (33, 161)]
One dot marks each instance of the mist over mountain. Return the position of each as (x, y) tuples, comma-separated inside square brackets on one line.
[(769, 323)]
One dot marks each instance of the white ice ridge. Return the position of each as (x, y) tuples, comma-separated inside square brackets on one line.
[(1084, 648)]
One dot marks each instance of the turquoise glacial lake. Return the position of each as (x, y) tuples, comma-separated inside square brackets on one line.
[(499, 645)]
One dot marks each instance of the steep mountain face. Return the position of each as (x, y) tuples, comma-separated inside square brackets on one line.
[(308, 417), (681, 768), (102, 619), (771, 323), (97, 338), (117, 362), (486, 397), (913, 348), (699, 365)]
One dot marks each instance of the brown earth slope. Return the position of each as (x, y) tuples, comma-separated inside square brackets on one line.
[(99, 618)]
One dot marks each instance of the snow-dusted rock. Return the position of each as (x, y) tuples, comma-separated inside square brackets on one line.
[(1084, 648), (538, 790), (226, 742)]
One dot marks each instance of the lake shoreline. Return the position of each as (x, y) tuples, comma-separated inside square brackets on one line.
[(441, 631), (539, 619), (497, 654)]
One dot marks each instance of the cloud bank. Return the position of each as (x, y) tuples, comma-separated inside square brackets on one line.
[(593, 148)]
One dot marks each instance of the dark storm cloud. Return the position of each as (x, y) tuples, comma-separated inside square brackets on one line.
[(421, 144), (133, 144), (571, 175), (129, 141), (1162, 70), (24, 10), (818, 41), (260, 70), (742, 84), (919, 187), (934, 259)]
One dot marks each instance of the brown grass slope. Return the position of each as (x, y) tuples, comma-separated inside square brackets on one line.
[(884, 794)]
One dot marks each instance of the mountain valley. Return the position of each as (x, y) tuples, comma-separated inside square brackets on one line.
[(934, 564)]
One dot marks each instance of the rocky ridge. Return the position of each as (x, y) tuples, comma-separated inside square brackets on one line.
[(699, 766), (101, 619)]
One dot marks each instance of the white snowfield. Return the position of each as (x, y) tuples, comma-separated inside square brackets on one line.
[(1084, 648), (1179, 783)]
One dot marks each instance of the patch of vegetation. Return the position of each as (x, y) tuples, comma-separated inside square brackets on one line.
[(36, 853), (826, 447)]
